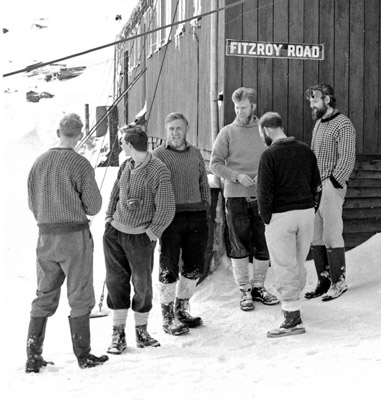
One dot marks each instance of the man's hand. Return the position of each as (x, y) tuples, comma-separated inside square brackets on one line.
[(245, 180)]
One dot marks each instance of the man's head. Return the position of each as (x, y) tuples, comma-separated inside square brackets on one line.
[(270, 125), (70, 127), (244, 104), (135, 136), (321, 98), (176, 127)]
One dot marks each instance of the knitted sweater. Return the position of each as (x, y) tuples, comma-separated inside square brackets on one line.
[(334, 144), (150, 185), (237, 150), (62, 191), (188, 176), (288, 178)]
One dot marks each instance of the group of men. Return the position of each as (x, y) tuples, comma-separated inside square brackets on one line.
[(281, 196)]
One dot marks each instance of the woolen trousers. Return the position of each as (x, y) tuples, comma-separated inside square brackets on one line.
[(129, 259), (68, 255)]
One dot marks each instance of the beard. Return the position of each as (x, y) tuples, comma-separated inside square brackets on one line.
[(246, 120), (317, 113)]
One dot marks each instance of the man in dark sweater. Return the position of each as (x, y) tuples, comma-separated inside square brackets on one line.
[(289, 189), (188, 232), (62, 191)]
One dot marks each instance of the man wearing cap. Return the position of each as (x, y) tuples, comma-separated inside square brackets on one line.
[(141, 206), (334, 144), (289, 190), (188, 232), (62, 191), (235, 158)]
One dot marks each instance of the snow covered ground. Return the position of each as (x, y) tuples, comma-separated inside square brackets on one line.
[(229, 357)]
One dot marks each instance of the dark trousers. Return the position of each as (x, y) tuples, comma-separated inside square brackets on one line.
[(187, 233), (129, 258), (246, 229)]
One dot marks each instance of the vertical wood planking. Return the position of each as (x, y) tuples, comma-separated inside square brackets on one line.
[(280, 74), (341, 59), (327, 35), (295, 94), (371, 88), (233, 66), (265, 65), (311, 67), (356, 71)]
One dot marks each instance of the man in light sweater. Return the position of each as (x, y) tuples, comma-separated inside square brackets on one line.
[(141, 206), (62, 191), (188, 232), (235, 158)]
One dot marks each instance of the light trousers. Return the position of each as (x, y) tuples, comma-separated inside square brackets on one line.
[(289, 237)]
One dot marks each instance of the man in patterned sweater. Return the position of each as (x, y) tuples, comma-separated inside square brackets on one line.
[(188, 232), (141, 206), (235, 158), (62, 191), (334, 144)]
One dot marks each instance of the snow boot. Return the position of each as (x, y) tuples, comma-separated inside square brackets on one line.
[(80, 336), (143, 338), (170, 324), (336, 259), (292, 325), (118, 340), (34, 346), (246, 303), (320, 257), (261, 294), (182, 309)]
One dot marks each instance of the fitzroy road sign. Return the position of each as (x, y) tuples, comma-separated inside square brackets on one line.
[(274, 50)]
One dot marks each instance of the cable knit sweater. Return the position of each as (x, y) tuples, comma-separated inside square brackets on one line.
[(237, 150), (188, 176), (62, 191), (150, 184)]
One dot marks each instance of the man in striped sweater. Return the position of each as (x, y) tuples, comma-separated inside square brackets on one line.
[(188, 232), (235, 158), (62, 191), (141, 206), (334, 144)]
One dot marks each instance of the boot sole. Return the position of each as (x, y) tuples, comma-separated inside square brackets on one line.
[(328, 298), (177, 333), (194, 324), (266, 303), (116, 353), (281, 333)]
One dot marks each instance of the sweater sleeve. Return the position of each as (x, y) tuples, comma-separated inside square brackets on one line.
[(164, 205), (316, 186), (114, 197), (346, 138), (90, 194), (220, 152), (265, 188)]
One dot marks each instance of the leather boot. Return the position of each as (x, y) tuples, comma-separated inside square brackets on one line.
[(182, 309)]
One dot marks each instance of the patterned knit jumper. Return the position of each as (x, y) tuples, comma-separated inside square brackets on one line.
[(188, 176), (62, 191)]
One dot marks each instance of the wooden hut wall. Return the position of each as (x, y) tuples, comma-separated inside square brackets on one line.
[(178, 78), (350, 31)]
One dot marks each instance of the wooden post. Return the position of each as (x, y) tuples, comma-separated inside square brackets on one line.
[(87, 119)]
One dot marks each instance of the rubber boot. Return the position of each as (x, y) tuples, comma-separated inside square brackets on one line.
[(34, 345), (336, 259), (319, 254), (80, 336)]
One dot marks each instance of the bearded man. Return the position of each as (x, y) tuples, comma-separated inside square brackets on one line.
[(235, 158), (334, 144)]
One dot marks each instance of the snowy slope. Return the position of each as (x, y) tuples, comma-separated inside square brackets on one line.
[(229, 357)]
